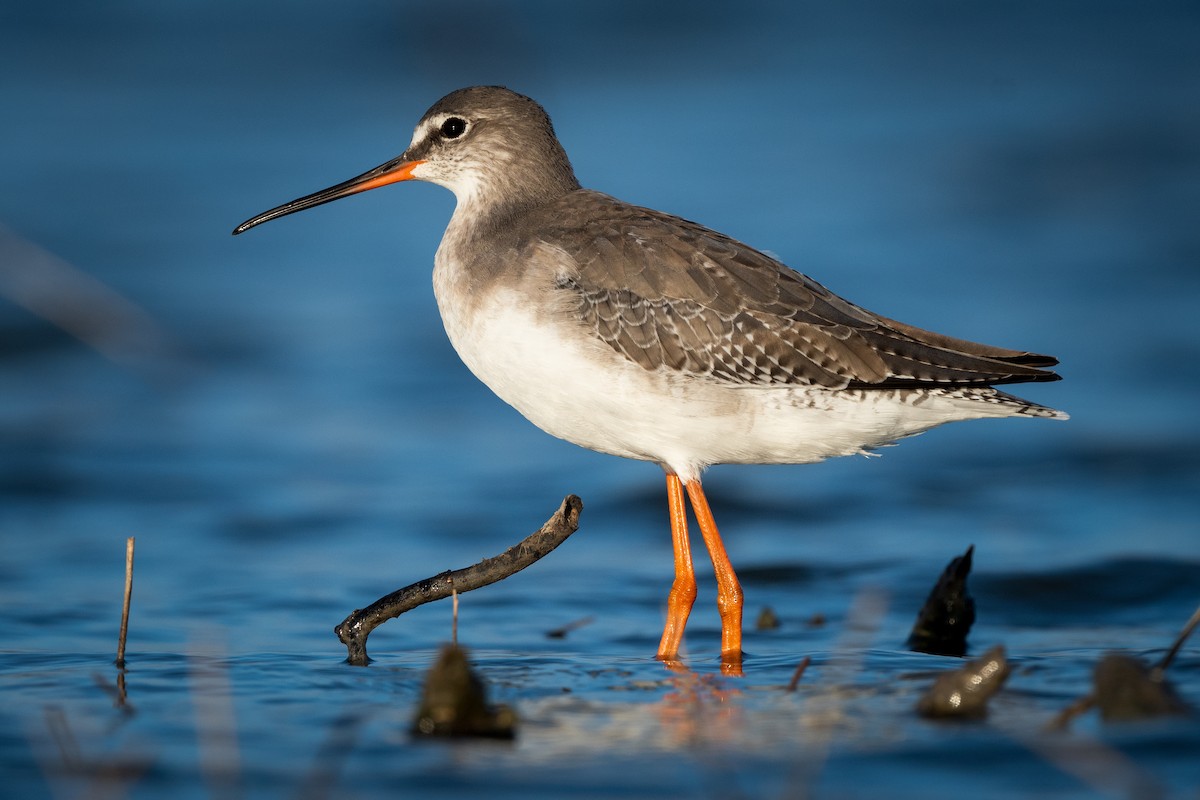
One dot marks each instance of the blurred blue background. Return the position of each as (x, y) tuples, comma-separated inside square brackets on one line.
[(281, 422)]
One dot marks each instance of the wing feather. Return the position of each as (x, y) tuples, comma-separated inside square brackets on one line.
[(669, 294)]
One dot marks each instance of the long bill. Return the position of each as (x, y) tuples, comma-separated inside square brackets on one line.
[(394, 171)]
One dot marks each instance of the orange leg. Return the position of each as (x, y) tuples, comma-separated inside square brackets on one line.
[(683, 590), (729, 591)]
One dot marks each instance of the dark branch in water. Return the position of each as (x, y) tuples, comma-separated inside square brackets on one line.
[(354, 630), (948, 614)]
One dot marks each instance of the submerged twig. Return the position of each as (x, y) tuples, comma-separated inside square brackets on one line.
[(354, 630), (109, 775), (125, 606), (119, 693)]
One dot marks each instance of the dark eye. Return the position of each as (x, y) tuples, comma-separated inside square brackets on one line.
[(453, 127)]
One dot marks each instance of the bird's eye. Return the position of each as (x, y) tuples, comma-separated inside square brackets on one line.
[(454, 127)]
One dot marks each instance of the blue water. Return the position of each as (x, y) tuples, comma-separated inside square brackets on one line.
[(281, 423)]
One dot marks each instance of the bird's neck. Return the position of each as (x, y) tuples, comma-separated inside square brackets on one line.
[(493, 210)]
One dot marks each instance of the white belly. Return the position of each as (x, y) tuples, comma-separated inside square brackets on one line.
[(579, 389)]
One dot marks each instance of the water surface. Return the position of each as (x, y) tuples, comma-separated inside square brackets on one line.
[(281, 423)]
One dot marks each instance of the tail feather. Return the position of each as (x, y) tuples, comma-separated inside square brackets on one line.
[(921, 357)]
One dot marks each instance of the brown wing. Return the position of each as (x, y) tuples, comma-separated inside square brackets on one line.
[(670, 294)]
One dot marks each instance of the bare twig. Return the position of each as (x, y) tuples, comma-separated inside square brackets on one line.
[(1190, 626), (125, 606), (354, 630), (562, 631), (1062, 720), (799, 673)]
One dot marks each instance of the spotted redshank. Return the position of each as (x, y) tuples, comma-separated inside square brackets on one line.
[(636, 333)]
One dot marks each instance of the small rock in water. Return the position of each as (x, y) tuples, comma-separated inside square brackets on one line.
[(1126, 690), (767, 620), (964, 692), (945, 620), (454, 702)]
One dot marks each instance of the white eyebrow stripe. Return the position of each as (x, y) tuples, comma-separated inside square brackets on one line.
[(420, 133)]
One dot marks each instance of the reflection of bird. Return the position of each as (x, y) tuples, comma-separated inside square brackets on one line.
[(636, 333)]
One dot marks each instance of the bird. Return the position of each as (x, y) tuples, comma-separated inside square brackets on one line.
[(644, 335)]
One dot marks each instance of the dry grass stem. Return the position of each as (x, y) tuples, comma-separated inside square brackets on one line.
[(125, 605)]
